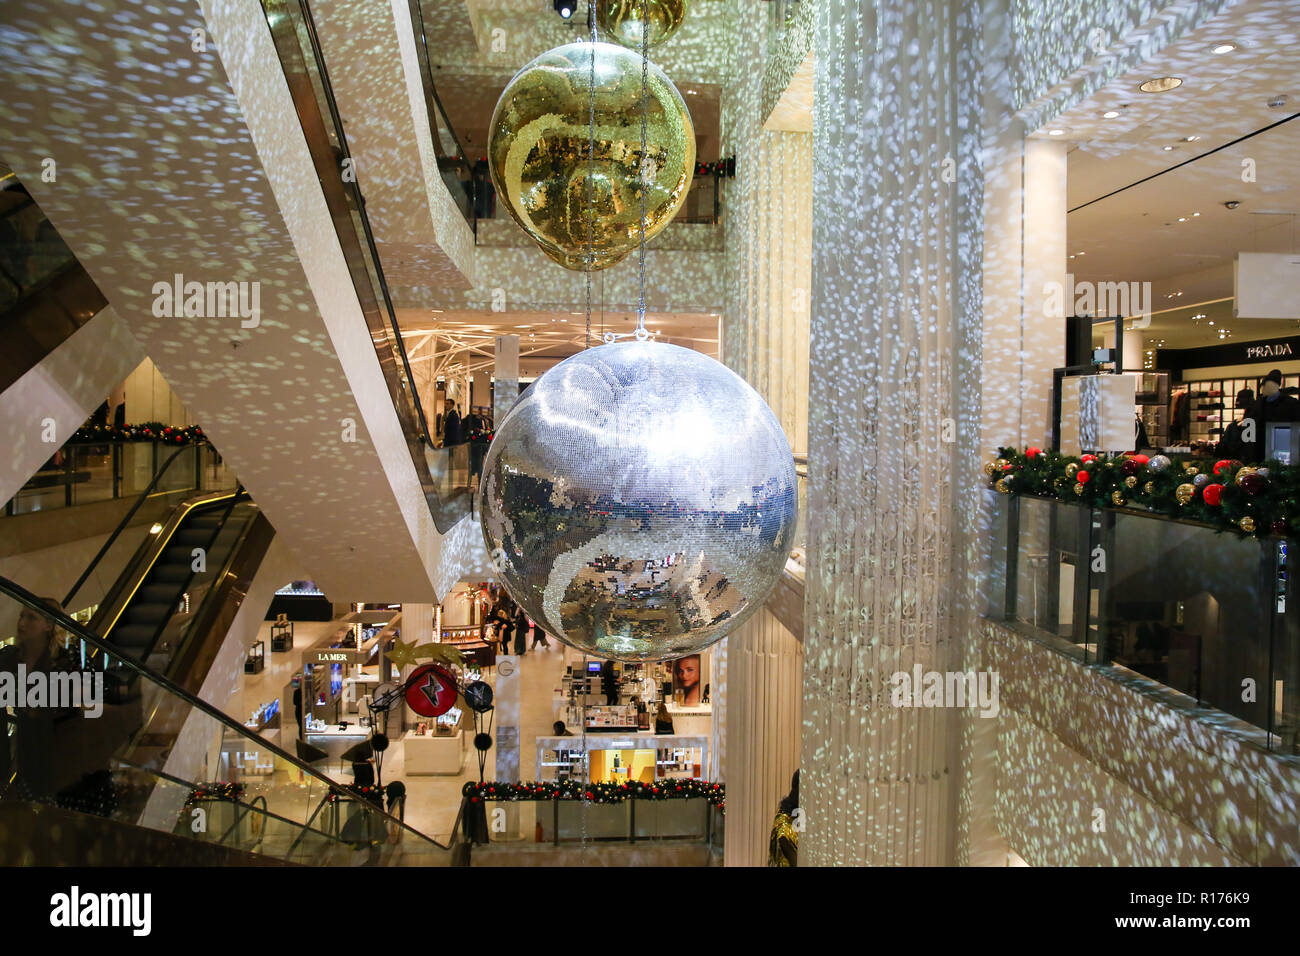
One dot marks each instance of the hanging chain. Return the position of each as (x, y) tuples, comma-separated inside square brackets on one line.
[(591, 167)]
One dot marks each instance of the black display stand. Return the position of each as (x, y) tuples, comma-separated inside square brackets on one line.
[(282, 637), (255, 662)]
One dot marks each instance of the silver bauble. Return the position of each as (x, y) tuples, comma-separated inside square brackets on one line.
[(639, 501), (1200, 481), (1159, 463)]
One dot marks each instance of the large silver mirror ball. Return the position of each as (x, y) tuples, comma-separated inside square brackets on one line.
[(639, 501)]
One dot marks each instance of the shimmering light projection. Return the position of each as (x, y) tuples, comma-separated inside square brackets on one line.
[(894, 360), (639, 501)]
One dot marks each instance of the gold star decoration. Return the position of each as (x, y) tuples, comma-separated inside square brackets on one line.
[(402, 654)]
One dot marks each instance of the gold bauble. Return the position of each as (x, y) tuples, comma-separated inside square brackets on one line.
[(1192, 470), (1149, 487), (1184, 493), (621, 20), (1130, 482), (1247, 524), (1243, 472), (1002, 486), (538, 153), (990, 469), (1071, 468), (1078, 488), (1117, 499)]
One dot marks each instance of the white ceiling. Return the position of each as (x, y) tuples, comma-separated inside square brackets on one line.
[(1136, 233)]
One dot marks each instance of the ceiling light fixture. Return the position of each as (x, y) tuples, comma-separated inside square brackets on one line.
[(1056, 132), (1223, 48), (564, 8), (1161, 84), (1167, 148), (1110, 114)]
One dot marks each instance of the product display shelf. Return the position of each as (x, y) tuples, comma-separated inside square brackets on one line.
[(1212, 406), (1153, 407)]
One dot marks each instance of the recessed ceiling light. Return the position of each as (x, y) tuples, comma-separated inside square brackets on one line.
[(1110, 114), (1182, 218), (1196, 214), (1056, 132), (1161, 84), (1223, 48), (1167, 148)]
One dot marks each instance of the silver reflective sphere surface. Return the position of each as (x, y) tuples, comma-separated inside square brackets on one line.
[(639, 501)]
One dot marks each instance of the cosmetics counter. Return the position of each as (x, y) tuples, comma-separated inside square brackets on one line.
[(622, 758)]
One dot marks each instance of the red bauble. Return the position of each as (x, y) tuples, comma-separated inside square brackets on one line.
[(1212, 494), (1141, 459), (1082, 477), (1088, 459), (1224, 465), (1008, 466), (1252, 484), (1032, 452), (1129, 466)]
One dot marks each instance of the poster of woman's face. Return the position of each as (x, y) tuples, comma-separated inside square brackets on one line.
[(686, 679)]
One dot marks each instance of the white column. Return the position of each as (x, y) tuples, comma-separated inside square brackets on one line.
[(764, 703), (506, 377), (893, 421), (765, 340)]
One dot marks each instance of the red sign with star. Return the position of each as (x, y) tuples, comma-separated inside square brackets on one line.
[(431, 690)]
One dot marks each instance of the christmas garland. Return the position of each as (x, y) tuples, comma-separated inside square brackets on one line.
[(1227, 495), (216, 791), (715, 793), (146, 431)]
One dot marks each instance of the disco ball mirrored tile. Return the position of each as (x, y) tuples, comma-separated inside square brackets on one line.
[(639, 501)]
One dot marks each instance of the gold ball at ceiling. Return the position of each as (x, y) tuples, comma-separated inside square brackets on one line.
[(538, 153), (621, 20)]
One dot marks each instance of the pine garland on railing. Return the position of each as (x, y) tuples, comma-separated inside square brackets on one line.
[(692, 788), (145, 431), (215, 791), (1251, 501)]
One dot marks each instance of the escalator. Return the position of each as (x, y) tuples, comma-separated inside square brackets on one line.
[(162, 768)]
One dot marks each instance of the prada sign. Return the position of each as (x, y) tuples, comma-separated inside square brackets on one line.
[(1270, 351)]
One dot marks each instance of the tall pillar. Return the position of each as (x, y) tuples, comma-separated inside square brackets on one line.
[(765, 340), (505, 387), (893, 421)]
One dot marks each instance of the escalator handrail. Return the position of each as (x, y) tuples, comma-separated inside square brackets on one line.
[(78, 631), (354, 187), (121, 525)]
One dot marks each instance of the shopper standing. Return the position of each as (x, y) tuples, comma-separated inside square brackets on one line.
[(521, 631), (451, 428), (1273, 405)]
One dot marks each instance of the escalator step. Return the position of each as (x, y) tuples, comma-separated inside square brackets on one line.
[(131, 637), (159, 593), (191, 537), (170, 573), (148, 614)]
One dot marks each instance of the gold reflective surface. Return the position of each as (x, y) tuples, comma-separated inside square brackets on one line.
[(538, 152), (621, 20)]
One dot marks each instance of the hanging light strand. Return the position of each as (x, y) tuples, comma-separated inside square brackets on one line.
[(591, 166), (641, 332)]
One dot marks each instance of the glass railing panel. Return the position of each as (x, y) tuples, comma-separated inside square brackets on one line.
[(110, 738), (1206, 614), (1189, 608)]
